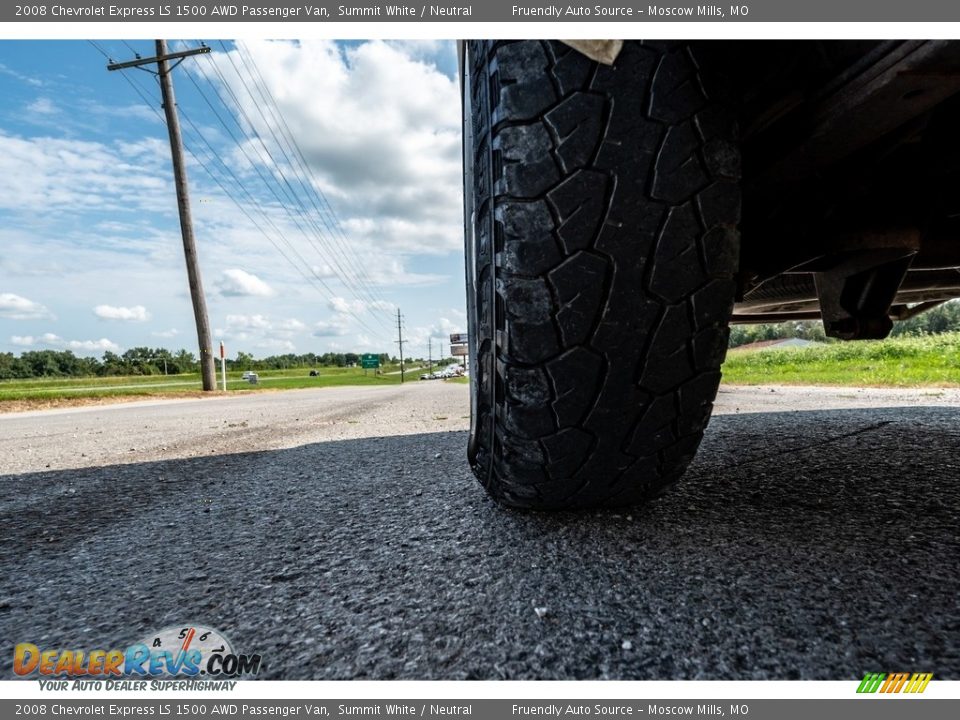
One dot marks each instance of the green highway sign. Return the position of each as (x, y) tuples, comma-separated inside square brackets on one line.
[(369, 360)]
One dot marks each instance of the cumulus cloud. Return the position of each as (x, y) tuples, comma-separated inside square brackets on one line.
[(247, 322), (16, 307), (439, 331), (55, 341), (344, 306), (379, 126), (330, 328), (137, 313), (324, 272), (101, 345), (172, 332), (239, 283), (444, 327), (266, 332), (291, 325)]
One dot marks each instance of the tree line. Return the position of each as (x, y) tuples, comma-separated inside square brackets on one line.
[(154, 361), (160, 361), (942, 319)]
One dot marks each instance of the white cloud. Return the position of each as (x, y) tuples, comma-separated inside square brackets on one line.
[(100, 345), (16, 307), (274, 345), (247, 322), (137, 313), (64, 175), (344, 306), (267, 333), (239, 283), (392, 272), (444, 327), (291, 325), (379, 127), (53, 340), (439, 331), (324, 272), (43, 106), (330, 328), (89, 212), (5, 70)]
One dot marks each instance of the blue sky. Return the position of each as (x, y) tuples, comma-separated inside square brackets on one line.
[(91, 253)]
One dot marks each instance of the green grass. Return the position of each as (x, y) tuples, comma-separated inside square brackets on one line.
[(932, 360), (62, 389)]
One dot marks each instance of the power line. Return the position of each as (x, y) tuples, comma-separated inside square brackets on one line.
[(307, 178), (271, 161), (311, 276), (197, 296), (207, 169), (260, 174), (266, 216), (300, 169)]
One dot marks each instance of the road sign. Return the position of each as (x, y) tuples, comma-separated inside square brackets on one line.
[(369, 360), (458, 338), (459, 350)]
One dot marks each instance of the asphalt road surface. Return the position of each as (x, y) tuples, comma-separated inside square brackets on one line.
[(340, 534)]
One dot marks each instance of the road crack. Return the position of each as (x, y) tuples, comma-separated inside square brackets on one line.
[(810, 446)]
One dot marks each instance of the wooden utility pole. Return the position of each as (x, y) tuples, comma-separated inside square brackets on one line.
[(164, 70), (429, 354), (400, 341)]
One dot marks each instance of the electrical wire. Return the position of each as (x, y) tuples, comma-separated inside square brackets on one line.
[(310, 276)]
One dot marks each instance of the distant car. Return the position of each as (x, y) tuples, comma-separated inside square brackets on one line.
[(246, 375)]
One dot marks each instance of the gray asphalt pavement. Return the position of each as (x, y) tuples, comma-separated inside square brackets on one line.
[(802, 544)]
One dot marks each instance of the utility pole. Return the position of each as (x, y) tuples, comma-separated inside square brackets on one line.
[(164, 70), (400, 341), (429, 354)]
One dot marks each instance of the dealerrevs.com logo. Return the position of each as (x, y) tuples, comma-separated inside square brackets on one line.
[(895, 683), (174, 652)]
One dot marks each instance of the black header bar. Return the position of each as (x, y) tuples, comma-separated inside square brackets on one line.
[(628, 11)]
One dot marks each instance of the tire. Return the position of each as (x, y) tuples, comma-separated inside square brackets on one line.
[(601, 213)]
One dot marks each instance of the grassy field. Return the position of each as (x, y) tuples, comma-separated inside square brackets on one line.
[(932, 361), (54, 391)]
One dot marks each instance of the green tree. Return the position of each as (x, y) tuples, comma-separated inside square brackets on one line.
[(112, 364), (185, 362), (244, 361), (941, 319)]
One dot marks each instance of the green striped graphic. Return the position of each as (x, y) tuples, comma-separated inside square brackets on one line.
[(871, 682)]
